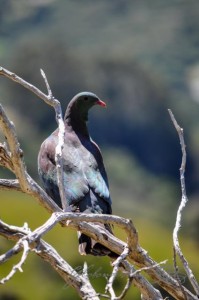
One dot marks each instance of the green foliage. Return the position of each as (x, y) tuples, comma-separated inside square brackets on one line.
[(141, 58), (133, 188)]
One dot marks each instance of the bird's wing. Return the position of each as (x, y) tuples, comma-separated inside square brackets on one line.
[(47, 168), (83, 170), (96, 174), (75, 183)]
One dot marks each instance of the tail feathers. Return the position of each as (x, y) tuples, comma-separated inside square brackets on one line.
[(90, 246)]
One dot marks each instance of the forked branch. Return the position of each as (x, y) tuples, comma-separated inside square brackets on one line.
[(11, 157)]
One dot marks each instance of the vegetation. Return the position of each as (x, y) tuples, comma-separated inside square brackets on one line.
[(141, 58)]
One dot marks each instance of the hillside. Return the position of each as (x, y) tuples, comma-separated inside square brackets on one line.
[(141, 58)]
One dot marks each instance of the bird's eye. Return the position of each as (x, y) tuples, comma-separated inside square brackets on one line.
[(86, 98)]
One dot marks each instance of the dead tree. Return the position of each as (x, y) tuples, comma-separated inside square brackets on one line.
[(132, 258)]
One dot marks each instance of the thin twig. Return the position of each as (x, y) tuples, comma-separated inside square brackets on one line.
[(134, 273), (48, 253), (10, 184), (18, 267), (147, 290), (12, 76), (60, 145), (126, 288), (116, 265), (11, 252), (132, 276), (18, 246), (14, 162), (184, 200), (50, 94), (50, 100), (14, 147)]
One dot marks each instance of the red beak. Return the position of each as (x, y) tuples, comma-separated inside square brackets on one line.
[(101, 103)]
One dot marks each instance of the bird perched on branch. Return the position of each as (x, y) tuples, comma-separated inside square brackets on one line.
[(85, 178)]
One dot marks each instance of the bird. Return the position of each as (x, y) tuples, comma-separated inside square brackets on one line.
[(84, 176)]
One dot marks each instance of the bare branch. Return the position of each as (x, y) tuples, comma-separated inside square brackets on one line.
[(12, 158), (126, 288), (50, 255), (32, 237), (149, 292), (60, 145), (115, 264), (14, 147), (145, 287), (184, 200), (137, 256), (10, 184), (125, 224), (50, 100), (50, 95), (27, 85), (148, 268), (10, 253), (132, 274), (18, 266), (5, 159)]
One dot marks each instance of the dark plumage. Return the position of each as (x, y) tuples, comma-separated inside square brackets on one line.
[(85, 178)]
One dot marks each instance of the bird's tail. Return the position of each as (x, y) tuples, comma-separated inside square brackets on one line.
[(89, 246)]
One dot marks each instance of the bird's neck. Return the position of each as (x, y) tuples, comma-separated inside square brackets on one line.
[(76, 122)]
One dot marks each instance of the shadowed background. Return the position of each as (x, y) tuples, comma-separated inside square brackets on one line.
[(140, 58)]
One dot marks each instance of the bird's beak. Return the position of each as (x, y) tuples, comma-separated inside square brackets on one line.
[(101, 103)]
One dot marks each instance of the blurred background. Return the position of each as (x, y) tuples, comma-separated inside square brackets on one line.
[(141, 58)]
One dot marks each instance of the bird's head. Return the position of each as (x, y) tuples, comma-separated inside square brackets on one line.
[(81, 103)]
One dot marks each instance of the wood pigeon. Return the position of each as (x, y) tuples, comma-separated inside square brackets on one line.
[(85, 178)]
